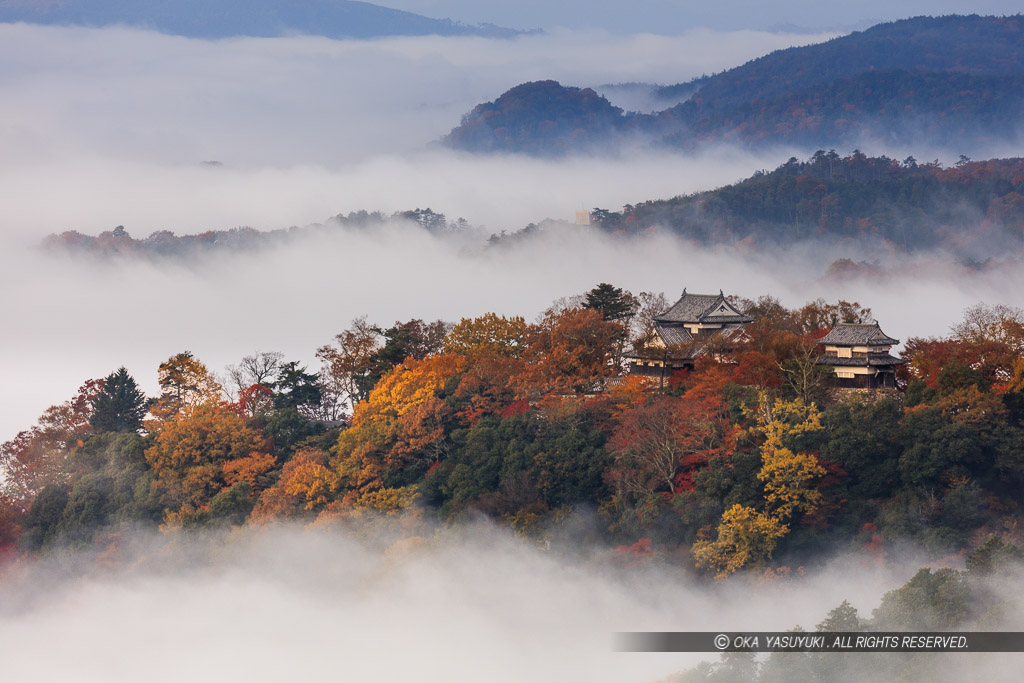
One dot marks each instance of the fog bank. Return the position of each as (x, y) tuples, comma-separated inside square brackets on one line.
[(138, 95), (468, 603)]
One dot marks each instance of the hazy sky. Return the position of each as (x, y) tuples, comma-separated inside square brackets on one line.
[(677, 16)]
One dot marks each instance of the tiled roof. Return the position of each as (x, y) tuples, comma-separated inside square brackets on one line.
[(679, 345), (674, 335), (696, 308), (852, 334)]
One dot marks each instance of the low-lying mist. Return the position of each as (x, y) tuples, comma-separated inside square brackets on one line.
[(500, 193), (464, 603)]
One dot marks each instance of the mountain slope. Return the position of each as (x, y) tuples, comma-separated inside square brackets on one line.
[(923, 80), (963, 44), (974, 210), (226, 18)]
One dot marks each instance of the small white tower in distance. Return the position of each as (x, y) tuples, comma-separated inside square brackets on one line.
[(582, 217)]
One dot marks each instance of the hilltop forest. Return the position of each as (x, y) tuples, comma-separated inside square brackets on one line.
[(746, 463), (974, 209), (951, 81)]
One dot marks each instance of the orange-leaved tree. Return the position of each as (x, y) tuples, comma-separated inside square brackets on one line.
[(190, 456), (568, 351), (399, 430)]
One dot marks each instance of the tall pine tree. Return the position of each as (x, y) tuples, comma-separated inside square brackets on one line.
[(120, 407)]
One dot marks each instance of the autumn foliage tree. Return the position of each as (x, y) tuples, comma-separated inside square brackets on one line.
[(39, 456), (489, 334), (305, 486), (398, 430), (568, 351), (658, 446), (747, 536), (190, 453), (184, 383), (347, 363)]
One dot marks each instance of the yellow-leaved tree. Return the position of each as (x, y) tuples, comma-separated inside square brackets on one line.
[(185, 382), (789, 482), (490, 334), (747, 537)]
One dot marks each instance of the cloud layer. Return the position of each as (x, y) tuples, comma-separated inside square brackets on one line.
[(465, 604), (138, 95)]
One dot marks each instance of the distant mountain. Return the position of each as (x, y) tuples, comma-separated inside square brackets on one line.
[(226, 18), (922, 80), (539, 118)]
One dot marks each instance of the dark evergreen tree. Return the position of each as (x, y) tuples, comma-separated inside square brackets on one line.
[(612, 302), (295, 387), (120, 407)]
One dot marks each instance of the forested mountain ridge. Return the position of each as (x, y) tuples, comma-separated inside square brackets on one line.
[(974, 209), (943, 80), (256, 18), (972, 44)]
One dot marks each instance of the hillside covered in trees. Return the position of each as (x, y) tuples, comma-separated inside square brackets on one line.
[(744, 463), (975, 209), (953, 81)]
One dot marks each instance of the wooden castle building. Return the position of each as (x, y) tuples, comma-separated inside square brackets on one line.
[(859, 355), (708, 325), (696, 325)]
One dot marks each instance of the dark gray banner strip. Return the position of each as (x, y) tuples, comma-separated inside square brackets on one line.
[(837, 641)]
